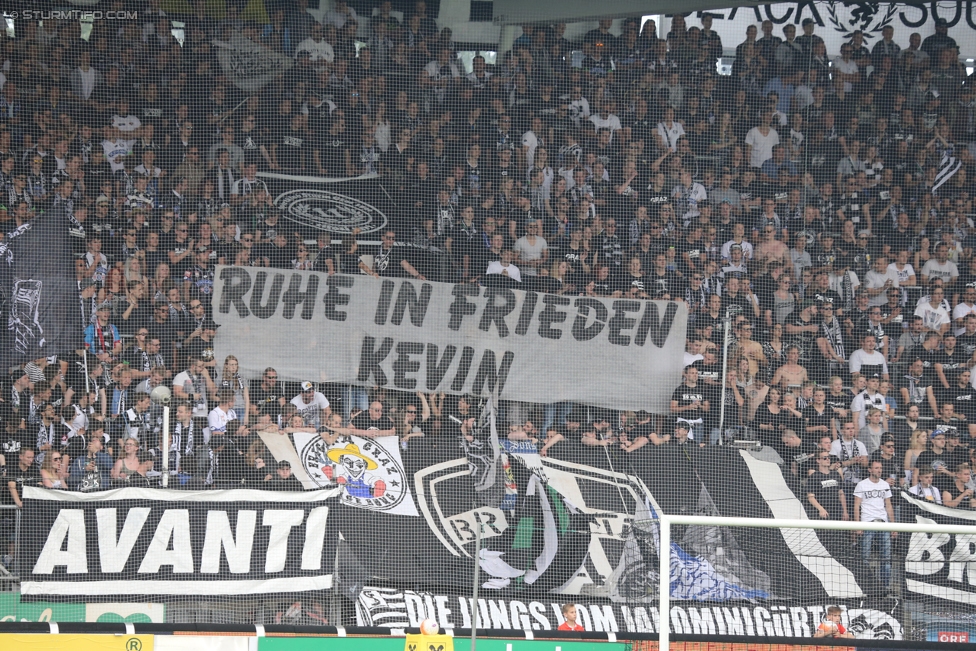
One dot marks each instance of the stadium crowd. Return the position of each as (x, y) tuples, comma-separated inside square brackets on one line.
[(819, 204)]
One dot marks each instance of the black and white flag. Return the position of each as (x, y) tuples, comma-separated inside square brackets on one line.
[(948, 166), (249, 65), (40, 294)]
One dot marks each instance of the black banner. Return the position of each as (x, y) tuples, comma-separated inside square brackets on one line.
[(42, 306), (940, 565), (145, 542), (391, 608), (335, 206)]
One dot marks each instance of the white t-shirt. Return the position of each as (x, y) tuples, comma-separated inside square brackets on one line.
[(530, 141), (933, 317), (671, 134), (126, 123), (848, 68), (320, 51), (612, 123), (311, 412), (218, 419), (528, 252), (930, 494), (495, 267), (874, 280), (862, 402), (117, 149), (861, 358), (844, 450), (762, 146), (946, 271), (185, 382), (873, 496), (901, 274), (959, 312)]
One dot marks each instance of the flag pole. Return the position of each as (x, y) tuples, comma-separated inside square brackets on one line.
[(474, 587)]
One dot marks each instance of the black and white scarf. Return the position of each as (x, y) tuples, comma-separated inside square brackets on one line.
[(834, 337)]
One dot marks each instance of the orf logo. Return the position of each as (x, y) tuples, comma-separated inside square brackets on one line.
[(868, 17), (956, 637), (330, 211)]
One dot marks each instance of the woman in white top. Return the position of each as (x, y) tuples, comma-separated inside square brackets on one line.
[(51, 470)]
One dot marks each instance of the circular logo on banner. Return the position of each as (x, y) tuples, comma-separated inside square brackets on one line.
[(330, 211), (370, 477), (868, 17)]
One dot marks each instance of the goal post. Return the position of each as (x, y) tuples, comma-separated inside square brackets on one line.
[(667, 522)]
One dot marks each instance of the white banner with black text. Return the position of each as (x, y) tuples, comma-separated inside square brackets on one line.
[(411, 335)]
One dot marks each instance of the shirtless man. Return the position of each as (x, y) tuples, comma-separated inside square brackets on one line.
[(790, 373), (770, 248), (750, 348)]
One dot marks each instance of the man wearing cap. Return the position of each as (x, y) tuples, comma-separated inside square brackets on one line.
[(939, 41), (892, 471), (682, 436), (283, 479), (312, 406)]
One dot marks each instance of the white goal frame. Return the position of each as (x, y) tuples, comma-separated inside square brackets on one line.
[(664, 557)]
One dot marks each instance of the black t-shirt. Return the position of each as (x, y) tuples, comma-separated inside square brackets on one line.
[(178, 248), (890, 468), (387, 262), (292, 149), (685, 395), (813, 418), (935, 461), (951, 364), (22, 478), (626, 282), (267, 399), (916, 388), (200, 349), (332, 154), (963, 399), (826, 490), (364, 422), (826, 296)]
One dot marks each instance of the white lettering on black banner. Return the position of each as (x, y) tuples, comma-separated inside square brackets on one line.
[(177, 543), (392, 608)]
